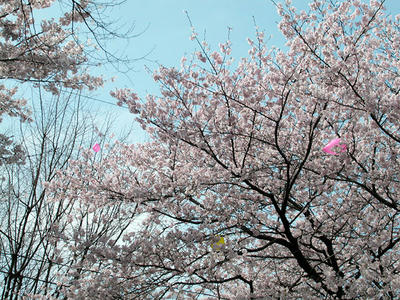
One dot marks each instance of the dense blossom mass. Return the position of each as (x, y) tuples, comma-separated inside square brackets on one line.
[(237, 152)]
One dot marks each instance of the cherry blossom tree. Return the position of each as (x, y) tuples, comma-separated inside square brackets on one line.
[(237, 152), (47, 52), (31, 258)]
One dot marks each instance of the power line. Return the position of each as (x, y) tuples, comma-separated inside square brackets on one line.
[(99, 100), (93, 98)]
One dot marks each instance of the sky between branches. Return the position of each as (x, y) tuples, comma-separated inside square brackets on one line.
[(163, 37)]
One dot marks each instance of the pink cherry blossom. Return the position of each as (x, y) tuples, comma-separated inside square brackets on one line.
[(236, 153), (43, 51)]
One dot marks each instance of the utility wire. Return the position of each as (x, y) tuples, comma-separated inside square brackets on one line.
[(96, 99), (92, 98)]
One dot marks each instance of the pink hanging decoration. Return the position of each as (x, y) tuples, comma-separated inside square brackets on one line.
[(96, 148), (333, 143)]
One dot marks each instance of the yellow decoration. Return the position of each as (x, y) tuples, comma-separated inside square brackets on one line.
[(219, 243)]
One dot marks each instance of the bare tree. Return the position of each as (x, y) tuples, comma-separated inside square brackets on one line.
[(30, 257)]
